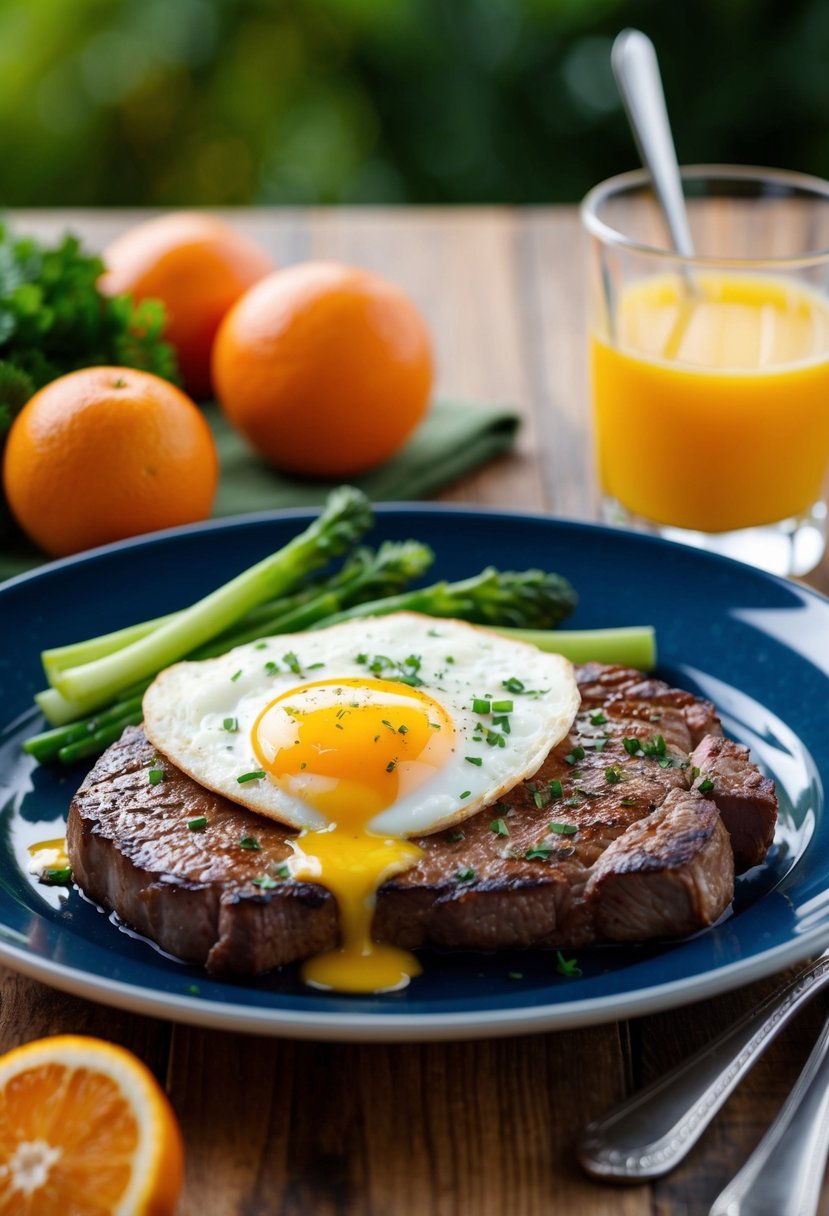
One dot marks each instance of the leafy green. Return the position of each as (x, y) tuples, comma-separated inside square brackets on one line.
[(54, 318)]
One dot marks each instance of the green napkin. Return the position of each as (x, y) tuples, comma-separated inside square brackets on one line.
[(454, 438)]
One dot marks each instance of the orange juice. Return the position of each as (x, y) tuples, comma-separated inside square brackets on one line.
[(712, 402)]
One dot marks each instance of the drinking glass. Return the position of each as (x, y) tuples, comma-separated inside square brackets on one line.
[(710, 374)]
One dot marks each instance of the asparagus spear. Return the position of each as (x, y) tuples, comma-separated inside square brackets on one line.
[(346, 516)]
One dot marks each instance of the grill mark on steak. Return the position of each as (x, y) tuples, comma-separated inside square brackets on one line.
[(650, 856)]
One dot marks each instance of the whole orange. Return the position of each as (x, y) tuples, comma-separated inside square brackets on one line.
[(326, 369), (104, 453), (198, 266)]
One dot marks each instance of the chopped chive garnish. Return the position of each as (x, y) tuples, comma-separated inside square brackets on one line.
[(283, 871), (480, 706), (598, 718), (231, 724), (542, 798), (577, 753), (513, 684), (665, 762), (314, 666), (155, 776), (568, 967), (612, 776), (292, 663), (257, 775), (515, 975), (55, 876), (564, 829), (250, 843), (502, 707), (555, 789), (538, 852), (499, 827), (271, 668), (705, 786), (402, 730), (391, 766), (631, 746), (464, 794), (476, 760), (386, 722), (627, 802), (236, 675), (197, 824), (654, 746), (434, 726), (503, 721), (600, 745), (465, 875), (265, 882)]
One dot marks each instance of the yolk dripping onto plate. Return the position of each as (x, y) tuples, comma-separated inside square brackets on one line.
[(352, 748)]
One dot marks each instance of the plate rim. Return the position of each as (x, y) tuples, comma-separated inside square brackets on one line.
[(414, 1027), (382, 509)]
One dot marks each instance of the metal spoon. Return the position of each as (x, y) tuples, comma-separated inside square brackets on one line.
[(649, 1133), (635, 67)]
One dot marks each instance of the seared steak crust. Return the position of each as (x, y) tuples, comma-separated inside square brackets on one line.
[(612, 840)]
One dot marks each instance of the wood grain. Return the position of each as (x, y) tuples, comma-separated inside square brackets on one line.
[(461, 1129)]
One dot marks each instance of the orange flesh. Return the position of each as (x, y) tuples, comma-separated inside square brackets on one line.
[(710, 410), (89, 1135), (350, 749)]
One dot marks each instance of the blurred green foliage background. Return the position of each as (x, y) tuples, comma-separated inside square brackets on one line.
[(165, 102)]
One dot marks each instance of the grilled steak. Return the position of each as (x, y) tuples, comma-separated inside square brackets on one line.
[(622, 835)]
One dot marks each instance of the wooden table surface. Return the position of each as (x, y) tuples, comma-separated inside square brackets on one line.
[(458, 1129)]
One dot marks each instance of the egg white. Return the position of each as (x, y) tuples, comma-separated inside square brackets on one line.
[(188, 705)]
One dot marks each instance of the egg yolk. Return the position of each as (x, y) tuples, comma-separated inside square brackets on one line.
[(351, 748)]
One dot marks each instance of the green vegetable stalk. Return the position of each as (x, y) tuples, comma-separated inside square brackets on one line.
[(109, 674), (526, 599), (346, 516)]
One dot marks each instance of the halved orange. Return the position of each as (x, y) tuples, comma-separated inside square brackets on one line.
[(85, 1130)]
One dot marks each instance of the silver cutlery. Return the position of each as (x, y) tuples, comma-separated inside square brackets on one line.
[(649, 1133), (783, 1175), (634, 63)]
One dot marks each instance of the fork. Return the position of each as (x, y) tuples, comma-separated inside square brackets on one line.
[(783, 1175), (649, 1133)]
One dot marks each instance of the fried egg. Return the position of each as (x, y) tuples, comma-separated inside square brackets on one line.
[(361, 736)]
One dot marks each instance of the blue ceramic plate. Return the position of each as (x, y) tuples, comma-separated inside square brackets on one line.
[(754, 644)]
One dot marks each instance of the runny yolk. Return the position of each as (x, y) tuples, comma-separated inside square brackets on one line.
[(350, 749), (48, 857)]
